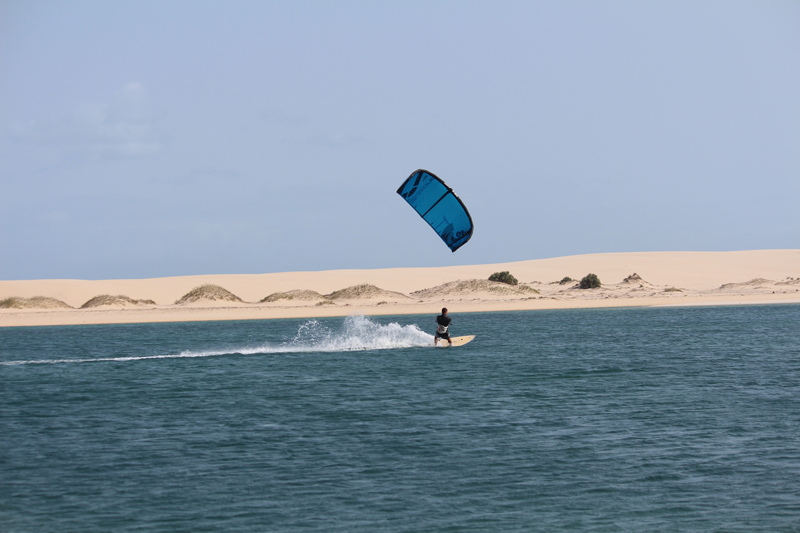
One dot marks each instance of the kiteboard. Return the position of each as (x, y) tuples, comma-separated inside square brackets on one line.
[(457, 341)]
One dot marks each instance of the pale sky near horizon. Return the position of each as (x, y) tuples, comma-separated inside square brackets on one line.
[(146, 139)]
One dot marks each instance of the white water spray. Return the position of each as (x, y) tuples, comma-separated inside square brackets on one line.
[(357, 333)]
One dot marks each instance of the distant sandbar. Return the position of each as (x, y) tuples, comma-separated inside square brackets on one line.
[(627, 279)]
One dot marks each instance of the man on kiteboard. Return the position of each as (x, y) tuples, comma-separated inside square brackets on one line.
[(442, 323)]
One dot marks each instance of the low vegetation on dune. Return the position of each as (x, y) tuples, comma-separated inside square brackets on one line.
[(34, 302), (297, 294), (363, 292), (672, 289), (472, 286), (107, 299), (752, 283), (565, 280), (590, 281), (208, 292), (504, 277), (633, 278)]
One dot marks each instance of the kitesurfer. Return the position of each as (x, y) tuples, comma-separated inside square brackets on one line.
[(442, 324)]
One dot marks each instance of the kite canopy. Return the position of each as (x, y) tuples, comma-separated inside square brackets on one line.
[(439, 206)]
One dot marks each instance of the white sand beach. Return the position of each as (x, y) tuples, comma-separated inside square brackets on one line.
[(628, 279)]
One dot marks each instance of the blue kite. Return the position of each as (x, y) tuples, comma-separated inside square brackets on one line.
[(441, 208)]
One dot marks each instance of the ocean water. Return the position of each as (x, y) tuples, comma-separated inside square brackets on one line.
[(648, 419)]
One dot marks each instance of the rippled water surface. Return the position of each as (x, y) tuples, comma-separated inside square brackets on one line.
[(671, 419)]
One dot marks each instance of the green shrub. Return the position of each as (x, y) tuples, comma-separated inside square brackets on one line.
[(565, 280), (503, 277), (590, 281)]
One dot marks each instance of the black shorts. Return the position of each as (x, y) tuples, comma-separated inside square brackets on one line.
[(443, 335)]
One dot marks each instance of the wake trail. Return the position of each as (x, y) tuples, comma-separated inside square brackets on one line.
[(358, 333)]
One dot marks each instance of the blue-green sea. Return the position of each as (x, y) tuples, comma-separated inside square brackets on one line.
[(643, 419)]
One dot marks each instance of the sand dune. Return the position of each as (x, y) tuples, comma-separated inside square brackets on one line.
[(34, 302), (636, 279), (365, 291), (651, 278), (119, 301), (299, 295), (208, 293), (757, 282), (474, 286)]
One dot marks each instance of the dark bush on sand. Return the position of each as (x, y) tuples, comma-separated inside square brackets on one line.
[(504, 277), (590, 281)]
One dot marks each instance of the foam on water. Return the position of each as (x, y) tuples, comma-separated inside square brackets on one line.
[(357, 333)]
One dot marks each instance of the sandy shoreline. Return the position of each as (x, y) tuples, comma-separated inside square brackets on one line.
[(661, 278)]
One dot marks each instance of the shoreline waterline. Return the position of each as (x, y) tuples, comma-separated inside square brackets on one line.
[(155, 316)]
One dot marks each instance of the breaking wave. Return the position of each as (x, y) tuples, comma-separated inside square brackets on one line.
[(356, 333)]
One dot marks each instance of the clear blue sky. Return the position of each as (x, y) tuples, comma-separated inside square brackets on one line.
[(147, 139)]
